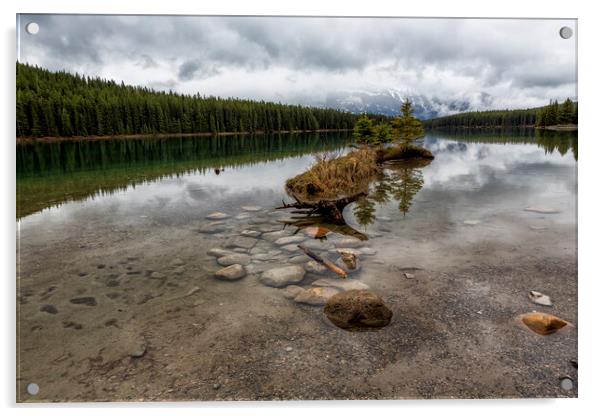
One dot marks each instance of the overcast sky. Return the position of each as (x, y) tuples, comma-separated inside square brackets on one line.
[(489, 63)]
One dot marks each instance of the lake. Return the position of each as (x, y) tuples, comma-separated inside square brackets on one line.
[(118, 301)]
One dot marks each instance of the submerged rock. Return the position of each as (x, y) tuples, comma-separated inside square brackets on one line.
[(540, 298), (367, 251), (49, 309), (357, 310), (352, 264), (251, 208), (316, 295), (282, 276), (85, 300), (274, 235), (344, 284), (219, 252), (542, 210), (291, 248), (313, 266), (543, 323), (241, 242), (230, 273), (302, 258), (291, 291), (212, 227), (250, 233), (348, 243), (472, 222), (217, 216), (294, 239), (235, 258)]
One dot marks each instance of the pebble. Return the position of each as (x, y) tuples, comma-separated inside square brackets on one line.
[(313, 266), (86, 300), (251, 208), (138, 350), (218, 252), (288, 349), (542, 210), (291, 248), (217, 216), (472, 222), (241, 242), (250, 233), (179, 270), (294, 239), (291, 291), (235, 258), (231, 273), (348, 243), (216, 386), (49, 309), (344, 284), (212, 227)]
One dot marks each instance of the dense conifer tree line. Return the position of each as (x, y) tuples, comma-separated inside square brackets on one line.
[(552, 114), (63, 104)]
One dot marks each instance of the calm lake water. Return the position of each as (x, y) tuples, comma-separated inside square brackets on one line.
[(116, 223)]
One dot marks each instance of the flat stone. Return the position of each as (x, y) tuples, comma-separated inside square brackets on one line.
[(291, 291), (242, 242), (269, 228), (240, 250), (231, 273), (250, 233), (49, 309), (542, 210), (85, 300), (291, 248), (243, 216), (217, 216), (538, 227), (212, 228), (540, 298), (218, 252), (274, 235), (282, 276), (472, 222), (251, 208), (316, 295), (294, 239), (348, 243), (313, 266), (357, 310), (302, 258), (344, 284), (367, 251), (235, 258)]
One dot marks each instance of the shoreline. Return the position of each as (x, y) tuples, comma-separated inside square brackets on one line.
[(557, 127), (54, 139)]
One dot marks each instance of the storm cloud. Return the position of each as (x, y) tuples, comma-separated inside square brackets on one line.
[(485, 63)]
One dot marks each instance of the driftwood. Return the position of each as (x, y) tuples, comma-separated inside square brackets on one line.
[(324, 262), (331, 209)]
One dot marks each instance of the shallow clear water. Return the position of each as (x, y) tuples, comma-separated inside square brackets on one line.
[(118, 221)]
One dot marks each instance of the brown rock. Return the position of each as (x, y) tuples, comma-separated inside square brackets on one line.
[(357, 310)]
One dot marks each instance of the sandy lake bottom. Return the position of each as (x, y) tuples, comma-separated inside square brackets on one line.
[(117, 298)]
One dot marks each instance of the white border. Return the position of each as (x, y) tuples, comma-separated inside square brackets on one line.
[(590, 25)]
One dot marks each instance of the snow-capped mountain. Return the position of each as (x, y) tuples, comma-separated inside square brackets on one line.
[(388, 103)]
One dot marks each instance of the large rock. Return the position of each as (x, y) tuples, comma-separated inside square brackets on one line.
[(282, 276), (357, 310), (241, 242), (294, 239), (233, 272), (235, 258), (344, 284), (316, 295)]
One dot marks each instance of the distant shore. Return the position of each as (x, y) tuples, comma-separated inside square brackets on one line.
[(52, 139), (557, 127)]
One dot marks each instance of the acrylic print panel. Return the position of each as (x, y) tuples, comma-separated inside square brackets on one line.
[(262, 208)]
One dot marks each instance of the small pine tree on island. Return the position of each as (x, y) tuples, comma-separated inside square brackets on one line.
[(364, 130)]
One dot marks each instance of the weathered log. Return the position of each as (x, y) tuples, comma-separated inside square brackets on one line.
[(325, 262)]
